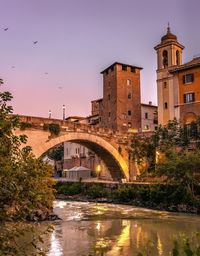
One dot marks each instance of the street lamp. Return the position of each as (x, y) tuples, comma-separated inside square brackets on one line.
[(49, 113), (63, 112)]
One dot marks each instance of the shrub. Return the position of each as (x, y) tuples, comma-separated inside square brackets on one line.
[(69, 189), (75, 189), (53, 128), (24, 125), (124, 194), (96, 191)]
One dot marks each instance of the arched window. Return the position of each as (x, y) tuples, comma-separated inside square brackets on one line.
[(165, 59), (177, 57)]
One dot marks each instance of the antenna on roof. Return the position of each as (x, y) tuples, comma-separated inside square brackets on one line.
[(168, 28)]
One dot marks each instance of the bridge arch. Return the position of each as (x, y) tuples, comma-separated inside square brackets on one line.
[(116, 164)]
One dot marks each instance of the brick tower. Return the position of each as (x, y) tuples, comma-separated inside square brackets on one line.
[(121, 97)]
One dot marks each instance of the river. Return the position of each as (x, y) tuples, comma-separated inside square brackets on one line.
[(88, 229)]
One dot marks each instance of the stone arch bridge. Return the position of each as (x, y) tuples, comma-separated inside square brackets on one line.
[(112, 147)]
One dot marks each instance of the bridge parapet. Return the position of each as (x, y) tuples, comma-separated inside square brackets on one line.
[(66, 126)]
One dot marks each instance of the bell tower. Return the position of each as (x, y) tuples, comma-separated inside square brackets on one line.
[(169, 55)]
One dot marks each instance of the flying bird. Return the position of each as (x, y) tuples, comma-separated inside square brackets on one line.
[(13, 67), (35, 42), (5, 29), (59, 87), (46, 73)]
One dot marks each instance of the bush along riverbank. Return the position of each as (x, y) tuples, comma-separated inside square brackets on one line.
[(153, 196)]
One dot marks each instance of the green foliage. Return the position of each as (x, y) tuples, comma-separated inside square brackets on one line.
[(124, 194), (56, 153), (182, 168), (53, 128), (96, 191), (144, 152), (70, 189), (25, 182), (22, 239), (24, 125), (182, 246)]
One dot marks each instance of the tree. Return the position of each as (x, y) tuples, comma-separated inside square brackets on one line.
[(25, 182), (56, 153), (173, 136), (182, 169)]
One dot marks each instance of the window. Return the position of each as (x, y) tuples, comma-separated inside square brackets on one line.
[(146, 127), (177, 58), (128, 82), (109, 114), (129, 112), (112, 68), (129, 124), (146, 115), (129, 96), (165, 59), (124, 67), (165, 84), (132, 69), (189, 97), (165, 105), (108, 96), (188, 78)]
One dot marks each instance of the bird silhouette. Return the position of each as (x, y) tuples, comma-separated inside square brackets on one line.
[(59, 87), (35, 42), (5, 29), (46, 73), (13, 67)]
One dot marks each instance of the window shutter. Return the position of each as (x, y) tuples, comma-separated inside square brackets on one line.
[(192, 77), (193, 96), (184, 98), (183, 79)]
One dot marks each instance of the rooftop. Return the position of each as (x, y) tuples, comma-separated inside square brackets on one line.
[(148, 105), (119, 63), (167, 39), (191, 64)]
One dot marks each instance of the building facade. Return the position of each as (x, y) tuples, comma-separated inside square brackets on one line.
[(169, 54), (121, 105), (187, 76), (149, 117), (178, 85)]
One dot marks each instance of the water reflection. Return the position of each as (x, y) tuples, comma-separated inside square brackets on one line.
[(115, 230)]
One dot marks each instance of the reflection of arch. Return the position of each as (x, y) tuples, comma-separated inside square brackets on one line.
[(177, 57), (189, 118), (165, 58), (115, 163)]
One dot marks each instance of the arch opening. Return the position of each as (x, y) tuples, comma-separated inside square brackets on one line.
[(165, 58), (177, 57), (111, 163)]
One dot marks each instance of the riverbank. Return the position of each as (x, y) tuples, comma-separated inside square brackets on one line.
[(155, 196)]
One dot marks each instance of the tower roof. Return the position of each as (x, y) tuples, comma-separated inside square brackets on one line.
[(168, 36), (168, 39), (119, 63)]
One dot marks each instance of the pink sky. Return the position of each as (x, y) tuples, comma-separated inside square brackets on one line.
[(77, 40)]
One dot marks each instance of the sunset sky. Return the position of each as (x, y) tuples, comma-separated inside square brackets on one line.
[(77, 39)]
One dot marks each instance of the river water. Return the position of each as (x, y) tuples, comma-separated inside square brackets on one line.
[(88, 229)]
